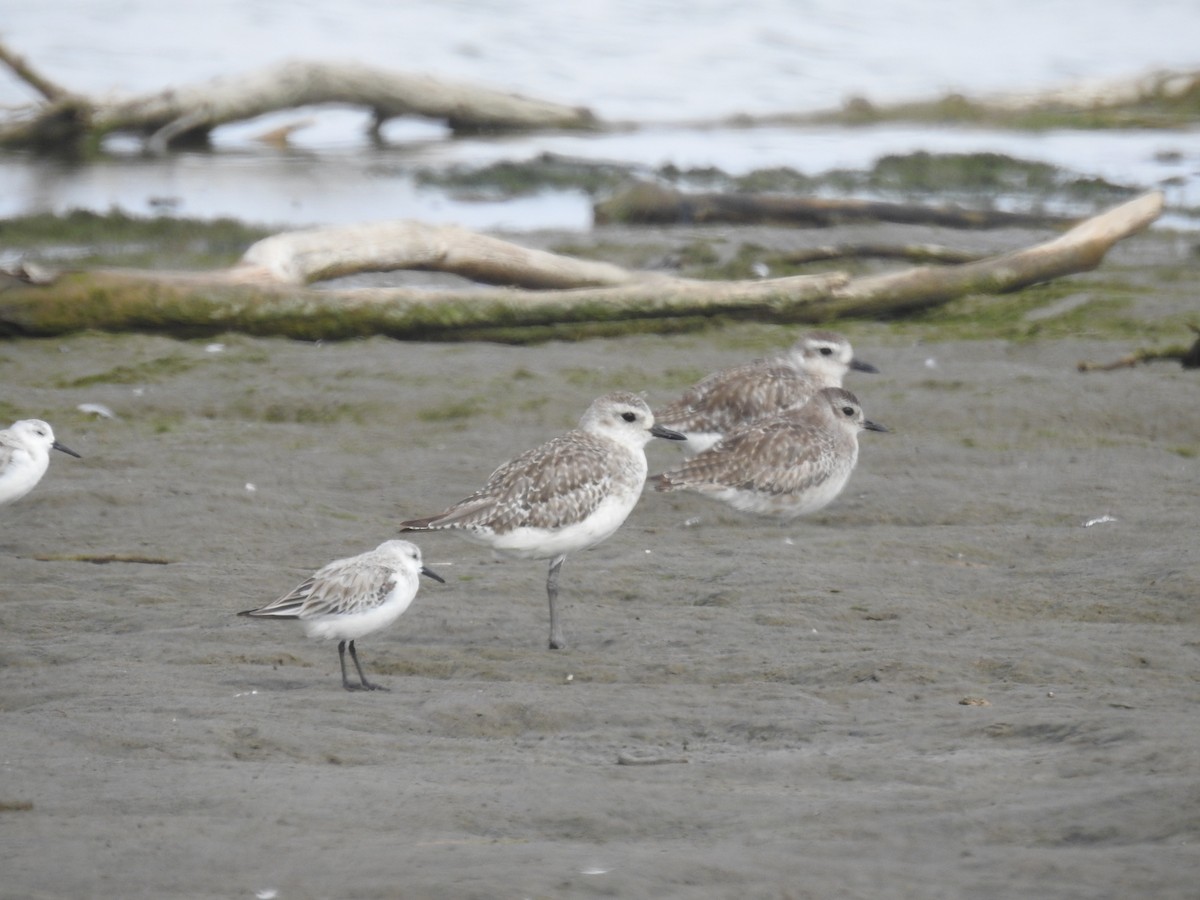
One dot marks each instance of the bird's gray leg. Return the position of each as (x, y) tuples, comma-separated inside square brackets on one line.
[(342, 659), (366, 685), (557, 641)]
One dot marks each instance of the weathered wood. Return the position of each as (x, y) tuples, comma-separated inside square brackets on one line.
[(1079, 250), (24, 71), (197, 305), (304, 257), (261, 296), (387, 94), (651, 204), (190, 112)]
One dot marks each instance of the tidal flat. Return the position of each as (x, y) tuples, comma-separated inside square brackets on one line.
[(974, 675)]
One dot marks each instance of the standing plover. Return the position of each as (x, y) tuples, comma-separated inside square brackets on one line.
[(785, 465), (24, 457), (741, 394), (351, 598), (569, 494)]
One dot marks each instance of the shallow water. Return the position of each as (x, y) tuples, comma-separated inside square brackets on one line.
[(656, 62), (666, 59)]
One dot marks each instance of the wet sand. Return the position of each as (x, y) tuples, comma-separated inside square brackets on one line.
[(944, 685)]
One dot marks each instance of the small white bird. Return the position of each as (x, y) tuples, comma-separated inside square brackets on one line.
[(569, 494), (740, 394), (351, 598), (782, 466), (24, 457)]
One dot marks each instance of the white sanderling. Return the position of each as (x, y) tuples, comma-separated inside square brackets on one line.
[(24, 457), (783, 466), (569, 494), (351, 598), (741, 394)]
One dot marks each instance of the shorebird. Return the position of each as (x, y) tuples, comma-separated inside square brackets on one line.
[(353, 597), (741, 394), (786, 465), (24, 457), (569, 494)]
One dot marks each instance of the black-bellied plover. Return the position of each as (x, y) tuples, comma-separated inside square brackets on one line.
[(24, 457), (353, 597), (741, 394), (569, 494), (786, 465)]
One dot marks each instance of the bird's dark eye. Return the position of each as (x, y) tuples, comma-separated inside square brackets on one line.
[(848, 411), (826, 351), (628, 416)]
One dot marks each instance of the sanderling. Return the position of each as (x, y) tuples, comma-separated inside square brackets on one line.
[(569, 494), (741, 394), (351, 598), (24, 457), (785, 465)]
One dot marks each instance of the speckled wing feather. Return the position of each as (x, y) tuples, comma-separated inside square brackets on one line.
[(559, 483), (344, 586), (737, 395), (772, 456)]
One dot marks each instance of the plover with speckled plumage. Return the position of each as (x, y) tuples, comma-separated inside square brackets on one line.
[(782, 466), (741, 394), (569, 494), (353, 597), (24, 457)]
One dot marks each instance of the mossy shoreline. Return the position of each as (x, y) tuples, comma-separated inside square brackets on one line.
[(80, 244)]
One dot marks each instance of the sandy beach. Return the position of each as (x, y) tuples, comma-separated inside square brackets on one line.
[(974, 675)]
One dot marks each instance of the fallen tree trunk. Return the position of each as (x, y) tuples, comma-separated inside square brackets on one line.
[(190, 113), (651, 204), (261, 295)]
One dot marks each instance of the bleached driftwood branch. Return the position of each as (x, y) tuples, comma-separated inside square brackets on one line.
[(191, 112), (263, 294), (21, 68), (290, 85), (1079, 250), (319, 254)]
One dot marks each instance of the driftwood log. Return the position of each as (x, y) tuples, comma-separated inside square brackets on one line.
[(320, 254), (267, 292), (67, 120), (188, 114), (652, 204)]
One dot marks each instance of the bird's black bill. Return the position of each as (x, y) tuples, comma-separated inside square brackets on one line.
[(67, 450), (874, 426), (667, 433), (859, 366), (432, 574)]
